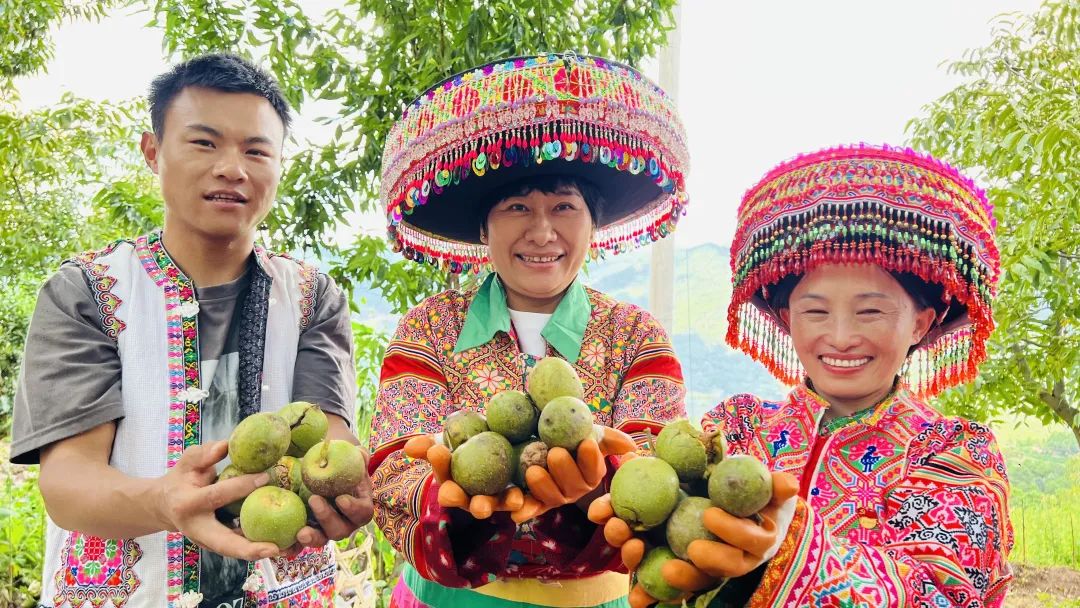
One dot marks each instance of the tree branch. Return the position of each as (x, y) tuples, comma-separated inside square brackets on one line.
[(1059, 404), (18, 189)]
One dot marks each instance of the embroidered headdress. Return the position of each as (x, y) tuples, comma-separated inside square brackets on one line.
[(902, 210), (550, 114)]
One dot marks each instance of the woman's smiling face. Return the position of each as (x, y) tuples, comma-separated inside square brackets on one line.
[(537, 242), (852, 327)]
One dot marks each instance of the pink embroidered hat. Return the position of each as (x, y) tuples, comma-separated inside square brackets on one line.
[(902, 210), (549, 114)]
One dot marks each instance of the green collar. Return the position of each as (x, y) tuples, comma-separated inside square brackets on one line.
[(488, 315)]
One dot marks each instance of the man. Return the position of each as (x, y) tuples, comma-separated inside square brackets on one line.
[(143, 356)]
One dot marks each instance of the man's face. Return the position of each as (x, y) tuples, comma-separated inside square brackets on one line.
[(219, 162)]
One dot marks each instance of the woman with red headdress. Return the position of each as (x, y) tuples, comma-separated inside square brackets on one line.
[(864, 276)]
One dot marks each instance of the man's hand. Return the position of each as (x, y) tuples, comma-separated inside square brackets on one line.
[(188, 497), (353, 510), (83, 492)]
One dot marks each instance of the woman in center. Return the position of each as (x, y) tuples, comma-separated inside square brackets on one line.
[(526, 168)]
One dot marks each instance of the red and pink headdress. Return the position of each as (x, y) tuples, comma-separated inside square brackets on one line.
[(549, 114), (902, 210)]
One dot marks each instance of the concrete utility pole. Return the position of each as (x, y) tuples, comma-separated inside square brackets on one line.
[(662, 269)]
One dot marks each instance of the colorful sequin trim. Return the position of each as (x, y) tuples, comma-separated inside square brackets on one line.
[(181, 318), (901, 210), (525, 111)]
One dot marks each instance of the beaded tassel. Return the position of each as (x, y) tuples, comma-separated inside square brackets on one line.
[(895, 208)]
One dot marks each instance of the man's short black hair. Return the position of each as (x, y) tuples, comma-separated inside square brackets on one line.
[(548, 184), (223, 72)]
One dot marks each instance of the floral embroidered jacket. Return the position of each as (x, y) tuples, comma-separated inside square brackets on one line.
[(899, 505), (632, 380)]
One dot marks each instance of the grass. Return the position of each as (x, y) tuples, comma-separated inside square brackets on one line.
[(1044, 472), (22, 534)]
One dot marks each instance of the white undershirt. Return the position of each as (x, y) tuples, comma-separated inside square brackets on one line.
[(528, 326)]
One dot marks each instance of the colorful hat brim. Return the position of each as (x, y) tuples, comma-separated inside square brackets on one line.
[(456, 215), (483, 129), (905, 212)]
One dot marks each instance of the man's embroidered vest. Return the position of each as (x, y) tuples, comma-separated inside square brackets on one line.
[(148, 306)]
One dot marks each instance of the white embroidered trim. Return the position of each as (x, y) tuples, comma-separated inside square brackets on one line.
[(253, 582), (190, 599)]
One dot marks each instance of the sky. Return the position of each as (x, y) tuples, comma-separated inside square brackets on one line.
[(759, 82)]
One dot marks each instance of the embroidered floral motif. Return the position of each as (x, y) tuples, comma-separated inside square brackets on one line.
[(600, 405), (593, 354), (95, 571), (489, 380)]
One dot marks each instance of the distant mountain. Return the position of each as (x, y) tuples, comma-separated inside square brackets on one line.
[(702, 288)]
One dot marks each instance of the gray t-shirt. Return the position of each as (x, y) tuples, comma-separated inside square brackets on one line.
[(71, 379)]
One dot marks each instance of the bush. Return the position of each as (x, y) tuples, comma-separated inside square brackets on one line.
[(22, 537)]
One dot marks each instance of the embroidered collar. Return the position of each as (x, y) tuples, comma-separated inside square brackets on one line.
[(488, 315), (165, 262), (868, 416)]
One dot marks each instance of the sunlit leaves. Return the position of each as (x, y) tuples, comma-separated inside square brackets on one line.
[(1015, 124)]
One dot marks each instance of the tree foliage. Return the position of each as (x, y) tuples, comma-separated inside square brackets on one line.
[(357, 65), (1014, 121), (25, 44), (69, 180), (363, 62)]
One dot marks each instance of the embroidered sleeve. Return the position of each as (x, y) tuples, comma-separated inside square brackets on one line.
[(735, 417), (652, 390), (946, 535), (324, 372), (412, 400), (101, 283)]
